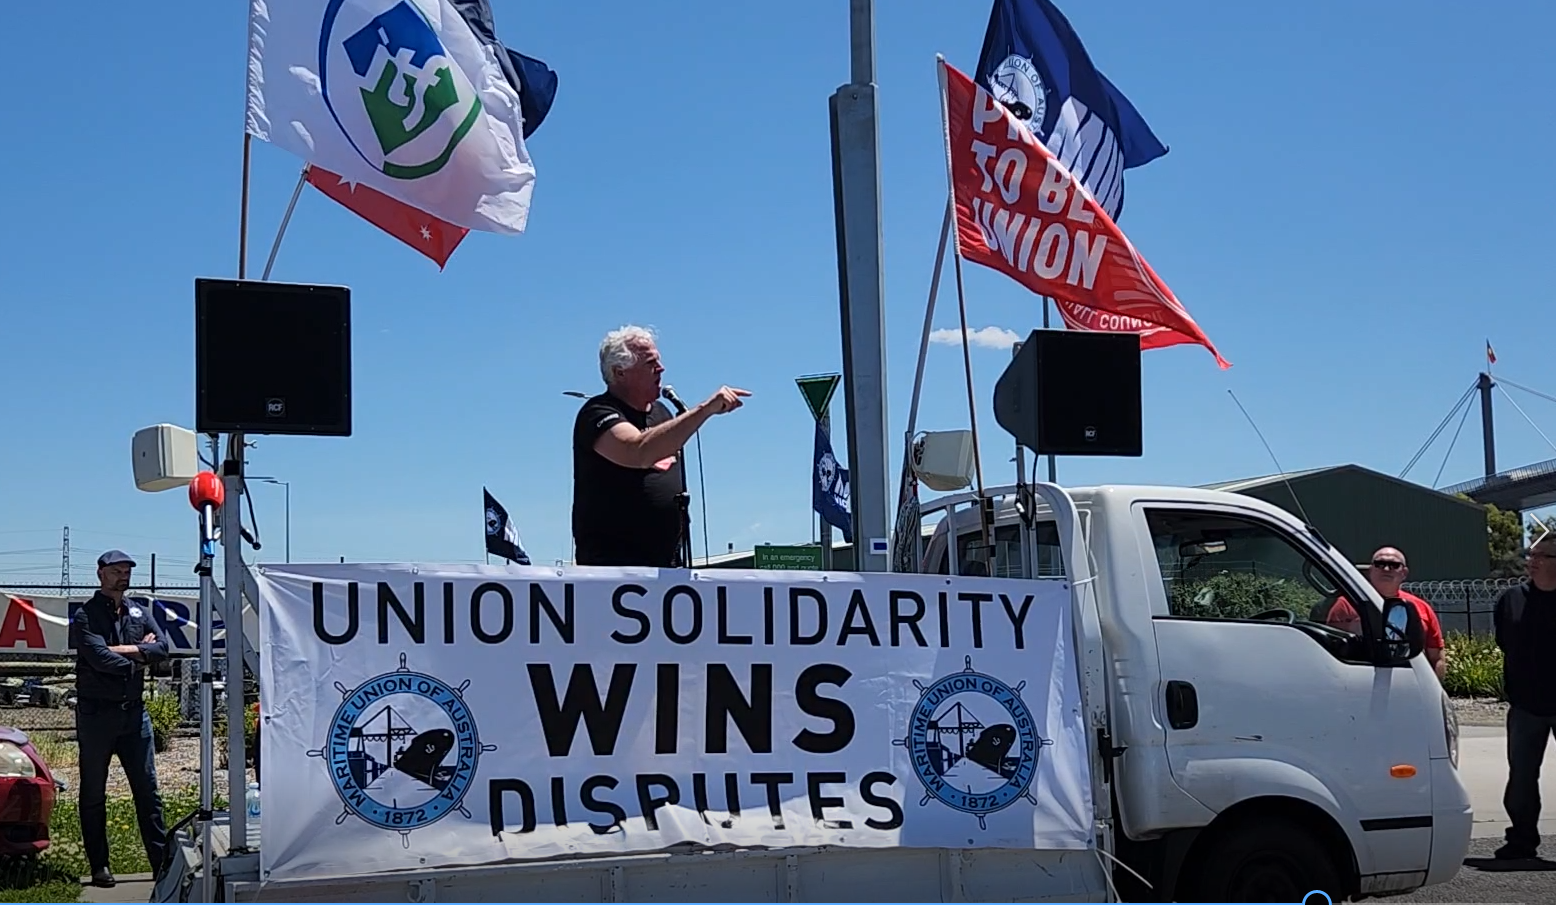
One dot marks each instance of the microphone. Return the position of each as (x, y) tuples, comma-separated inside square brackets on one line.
[(206, 495), (668, 392)]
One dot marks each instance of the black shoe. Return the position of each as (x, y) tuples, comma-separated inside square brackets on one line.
[(1514, 852), (103, 877)]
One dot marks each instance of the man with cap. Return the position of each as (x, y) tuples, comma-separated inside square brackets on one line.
[(115, 641)]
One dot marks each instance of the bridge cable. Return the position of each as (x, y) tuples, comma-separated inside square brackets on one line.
[(1433, 438), (1436, 482), (1518, 386), (1530, 420)]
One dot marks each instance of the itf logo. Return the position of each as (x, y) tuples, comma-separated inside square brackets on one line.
[(399, 98)]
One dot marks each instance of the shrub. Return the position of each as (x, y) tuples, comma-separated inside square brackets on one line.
[(165, 717), (250, 731), (1474, 667)]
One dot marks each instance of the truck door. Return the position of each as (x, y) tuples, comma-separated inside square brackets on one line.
[(1258, 696)]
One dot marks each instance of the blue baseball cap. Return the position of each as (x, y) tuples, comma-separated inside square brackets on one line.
[(114, 557)]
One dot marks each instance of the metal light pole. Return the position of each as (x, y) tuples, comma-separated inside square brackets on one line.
[(856, 188), (288, 486)]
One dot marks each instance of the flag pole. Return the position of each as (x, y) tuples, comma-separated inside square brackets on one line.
[(285, 220), (1052, 479), (961, 301), (243, 210)]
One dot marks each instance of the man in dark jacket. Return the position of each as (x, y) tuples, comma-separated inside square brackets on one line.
[(1525, 618), (114, 642)]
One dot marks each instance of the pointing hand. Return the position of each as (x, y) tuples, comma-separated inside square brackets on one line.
[(727, 399)]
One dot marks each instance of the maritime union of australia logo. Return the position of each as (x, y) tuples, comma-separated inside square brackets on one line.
[(398, 96), (402, 750), (973, 743)]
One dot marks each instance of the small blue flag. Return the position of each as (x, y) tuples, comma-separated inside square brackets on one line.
[(532, 79), (502, 538), (829, 491), (1034, 64)]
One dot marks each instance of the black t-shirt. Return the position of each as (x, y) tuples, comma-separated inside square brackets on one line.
[(622, 516), (1525, 618)]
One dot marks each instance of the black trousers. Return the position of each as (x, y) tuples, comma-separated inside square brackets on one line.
[(105, 729), (1526, 738)]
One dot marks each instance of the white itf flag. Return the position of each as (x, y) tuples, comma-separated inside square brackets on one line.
[(398, 95)]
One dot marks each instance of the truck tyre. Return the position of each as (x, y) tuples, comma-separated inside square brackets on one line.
[(1270, 860)]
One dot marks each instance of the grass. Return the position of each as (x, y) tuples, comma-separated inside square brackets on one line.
[(55, 876), (1474, 666)]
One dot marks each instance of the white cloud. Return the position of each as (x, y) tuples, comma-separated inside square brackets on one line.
[(987, 337)]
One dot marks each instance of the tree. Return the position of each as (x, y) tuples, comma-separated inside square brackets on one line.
[(1505, 537)]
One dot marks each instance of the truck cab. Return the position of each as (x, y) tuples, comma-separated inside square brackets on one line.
[(1235, 726)]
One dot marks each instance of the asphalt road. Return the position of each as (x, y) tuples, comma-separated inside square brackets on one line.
[(1483, 880)]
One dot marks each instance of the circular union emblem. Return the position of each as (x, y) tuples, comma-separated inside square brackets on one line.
[(493, 523), (398, 97), (1018, 85), (973, 743), (402, 750)]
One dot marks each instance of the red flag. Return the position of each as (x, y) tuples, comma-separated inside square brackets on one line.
[(1019, 211), (434, 238)]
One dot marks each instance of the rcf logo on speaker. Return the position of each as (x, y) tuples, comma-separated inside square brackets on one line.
[(275, 408)]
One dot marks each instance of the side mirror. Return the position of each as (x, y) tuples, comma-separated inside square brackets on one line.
[(1403, 635)]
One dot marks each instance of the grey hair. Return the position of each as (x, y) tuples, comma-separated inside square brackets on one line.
[(616, 352)]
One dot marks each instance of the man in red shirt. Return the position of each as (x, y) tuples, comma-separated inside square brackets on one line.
[(1387, 573)]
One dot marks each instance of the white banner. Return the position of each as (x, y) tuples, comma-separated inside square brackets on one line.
[(37, 623), (427, 716)]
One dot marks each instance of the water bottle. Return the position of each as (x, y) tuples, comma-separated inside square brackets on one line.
[(251, 802)]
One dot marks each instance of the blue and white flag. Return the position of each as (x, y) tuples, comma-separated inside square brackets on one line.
[(502, 538), (402, 96), (1034, 64), (829, 489)]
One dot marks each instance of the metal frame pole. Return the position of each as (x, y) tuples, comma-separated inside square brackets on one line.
[(856, 185), (205, 628), (232, 597)]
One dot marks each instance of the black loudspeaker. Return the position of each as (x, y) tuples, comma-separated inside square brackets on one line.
[(272, 358), (1073, 393)]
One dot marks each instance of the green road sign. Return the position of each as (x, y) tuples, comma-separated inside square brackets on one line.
[(773, 557), (818, 391)]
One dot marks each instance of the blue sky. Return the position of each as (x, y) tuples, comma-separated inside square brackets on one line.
[(1354, 201)]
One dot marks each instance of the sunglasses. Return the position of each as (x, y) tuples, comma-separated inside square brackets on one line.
[(1387, 565)]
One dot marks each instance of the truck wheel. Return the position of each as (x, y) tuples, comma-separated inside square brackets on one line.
[(1266, 861)]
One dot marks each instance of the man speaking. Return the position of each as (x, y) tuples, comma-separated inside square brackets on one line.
[(628, 479)]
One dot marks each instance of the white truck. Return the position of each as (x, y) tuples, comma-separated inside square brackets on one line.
[(1242, 749)]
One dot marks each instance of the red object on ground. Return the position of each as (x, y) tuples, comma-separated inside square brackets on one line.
[(434, 238), (206, 488), (1020, 212), (26, 802)]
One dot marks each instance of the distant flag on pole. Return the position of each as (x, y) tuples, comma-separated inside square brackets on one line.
[(502, 538), (1019, 211), (1491, 355), (399, 95), (830, 490), (423, 232)]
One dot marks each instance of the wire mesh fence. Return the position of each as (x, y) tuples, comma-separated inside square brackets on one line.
[(1463, 606)]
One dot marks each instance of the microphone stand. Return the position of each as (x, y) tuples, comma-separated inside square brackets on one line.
[(684, 498)]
